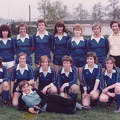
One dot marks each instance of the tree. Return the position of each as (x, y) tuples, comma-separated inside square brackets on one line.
[(13, 28), (97, 12), (52, 12), (80, 13), (113, 9), (42, 5)]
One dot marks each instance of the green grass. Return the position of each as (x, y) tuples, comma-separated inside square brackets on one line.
[(99, 112)]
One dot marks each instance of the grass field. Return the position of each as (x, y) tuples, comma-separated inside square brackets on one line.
[(99, 112)]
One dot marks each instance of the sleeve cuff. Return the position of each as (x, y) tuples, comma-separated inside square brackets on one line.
[(51, 84), (1, 80), (85, 88), (97, 80), (66, 84)]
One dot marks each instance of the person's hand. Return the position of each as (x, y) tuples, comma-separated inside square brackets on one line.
[(92, 92), (105, 90), (111, 94), (62, 88), (44, 90), (31, 110)]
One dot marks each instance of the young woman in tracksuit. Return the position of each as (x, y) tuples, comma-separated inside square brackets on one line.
[(67, 79), (43, 41), (110, 83), (7, 47), (21, 71), (4, 85), (77, 47), (24, 43), (60, 38), (91, 80), (98, 43), (46, 76)]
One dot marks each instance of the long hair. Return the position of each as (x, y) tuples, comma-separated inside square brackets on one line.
[(59, 24), (5, 27)]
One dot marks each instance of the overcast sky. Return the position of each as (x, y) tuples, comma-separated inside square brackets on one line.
[(19, 9)]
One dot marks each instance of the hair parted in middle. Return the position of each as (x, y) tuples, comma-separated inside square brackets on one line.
[(59, 24), (5, 27), (43, 58)]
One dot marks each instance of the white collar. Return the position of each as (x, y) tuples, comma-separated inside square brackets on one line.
[(81, 39), (92, 37), (1, 70), (24, 94), (18, 67), (7, 39), (46, 33), (41, 71), (64, 34), (110, 73), (18, 36), (63, 70), (86, 66)]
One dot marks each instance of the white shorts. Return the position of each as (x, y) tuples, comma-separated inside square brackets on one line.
[(8, 64)]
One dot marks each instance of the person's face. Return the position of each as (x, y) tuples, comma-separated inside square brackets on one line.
[(60, 29), (22, 60), (4, 34), (41, 26), (77, 32), (96, 30), (22, 30), (26, 89), (66, 65), (45, 63), (115, 28), (109, 65), (90, 61)]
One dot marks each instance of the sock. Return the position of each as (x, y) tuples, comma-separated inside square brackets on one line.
[(5, 95), (74, 96), (78, 106), (118, 99)]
